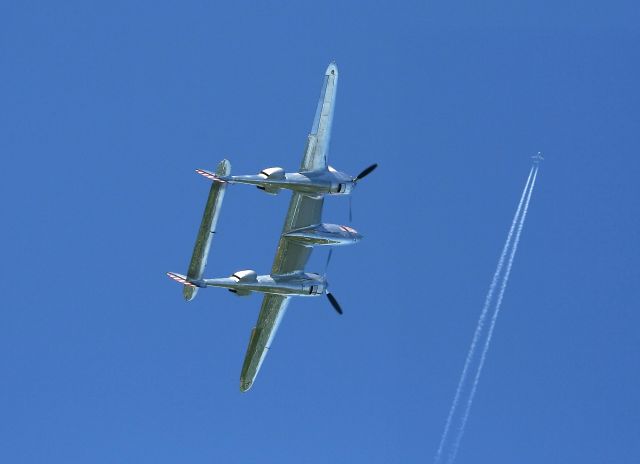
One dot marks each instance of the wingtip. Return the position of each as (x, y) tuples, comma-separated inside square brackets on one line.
[(245, 385)]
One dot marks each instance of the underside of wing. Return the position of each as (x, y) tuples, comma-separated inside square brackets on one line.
[(292, 256), (317, 149), (271, 313)]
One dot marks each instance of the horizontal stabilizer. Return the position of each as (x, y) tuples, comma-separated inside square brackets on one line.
[(186, 280), (209, 175), (180, 278), (207, 227)]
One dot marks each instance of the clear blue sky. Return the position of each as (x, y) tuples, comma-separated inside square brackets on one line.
[(107, 109)]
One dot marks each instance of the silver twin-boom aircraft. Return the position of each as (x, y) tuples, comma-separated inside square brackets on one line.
[(303, 229)]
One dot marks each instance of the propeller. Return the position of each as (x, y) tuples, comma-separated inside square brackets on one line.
[(362, 175), (332, 299), (326, 265), (365, 172), (334, 303), (350, 213)]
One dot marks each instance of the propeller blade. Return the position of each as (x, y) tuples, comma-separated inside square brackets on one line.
[(334, 303), (366, 172), (326, 266)]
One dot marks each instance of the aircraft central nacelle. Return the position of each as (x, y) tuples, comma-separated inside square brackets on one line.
[(324, 234)]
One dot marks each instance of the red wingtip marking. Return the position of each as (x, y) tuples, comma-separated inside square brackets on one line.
[(206, 174), (179, 279), (209, 175)]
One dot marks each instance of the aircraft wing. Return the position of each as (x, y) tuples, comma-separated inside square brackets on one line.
[(290, 256), (317, 149), (271, 313)]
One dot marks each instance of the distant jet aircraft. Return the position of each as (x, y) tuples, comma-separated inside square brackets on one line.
[(302, 231), (537, 158)]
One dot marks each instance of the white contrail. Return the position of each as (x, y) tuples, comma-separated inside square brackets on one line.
[(480, 326), (496, 311)]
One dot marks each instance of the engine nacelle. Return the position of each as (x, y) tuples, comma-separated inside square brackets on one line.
[(273, 173), (245, 276), (341, 188), (313, 289)]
